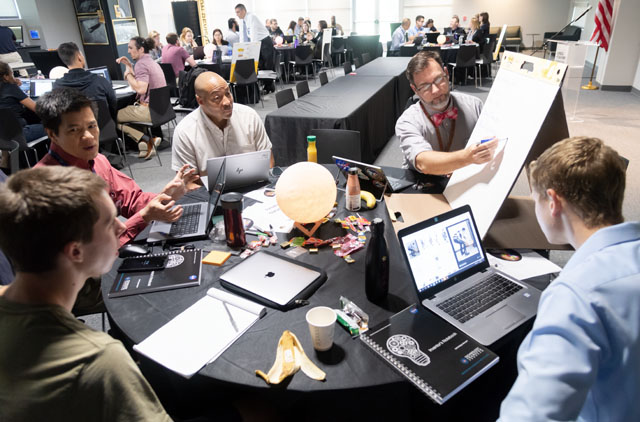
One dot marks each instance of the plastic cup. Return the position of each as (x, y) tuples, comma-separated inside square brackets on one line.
[(321, 320)]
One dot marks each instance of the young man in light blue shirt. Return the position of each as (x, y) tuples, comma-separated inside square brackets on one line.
[(581, 360), (417, 30)]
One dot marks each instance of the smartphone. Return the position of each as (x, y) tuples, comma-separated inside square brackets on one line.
[(149, 263)]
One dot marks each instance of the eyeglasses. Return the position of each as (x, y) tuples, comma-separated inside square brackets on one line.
[(426, 88)]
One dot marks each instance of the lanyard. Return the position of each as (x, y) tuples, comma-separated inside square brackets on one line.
[(451, 134)]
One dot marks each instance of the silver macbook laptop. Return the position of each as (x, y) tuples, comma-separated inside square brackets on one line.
[(372, 178), (453, 278), (195, 222), (104, 72), (271, 277), (241, 169)]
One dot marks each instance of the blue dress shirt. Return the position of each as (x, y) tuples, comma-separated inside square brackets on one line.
[(397, 39), (414, 31), (581, 360)]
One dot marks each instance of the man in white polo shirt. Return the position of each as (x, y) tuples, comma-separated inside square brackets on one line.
[(217, 128)]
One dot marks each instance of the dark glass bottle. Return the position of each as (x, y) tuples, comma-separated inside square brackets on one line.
[(376, 283), (233, 224)]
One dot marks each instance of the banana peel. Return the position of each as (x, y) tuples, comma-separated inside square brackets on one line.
[(290, 357), (368, 198)]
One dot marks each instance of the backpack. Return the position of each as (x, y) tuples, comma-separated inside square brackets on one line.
[(186, 82)]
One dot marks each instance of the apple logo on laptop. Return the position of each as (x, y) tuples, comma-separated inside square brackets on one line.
[(270, 274)]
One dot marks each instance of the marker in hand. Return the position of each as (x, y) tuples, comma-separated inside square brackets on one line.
[(490, 139)]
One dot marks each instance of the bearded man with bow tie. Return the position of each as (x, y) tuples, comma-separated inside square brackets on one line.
[(433, 133)]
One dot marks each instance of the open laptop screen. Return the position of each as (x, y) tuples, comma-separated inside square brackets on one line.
[(442, 250), (39, 87), (101, 71)]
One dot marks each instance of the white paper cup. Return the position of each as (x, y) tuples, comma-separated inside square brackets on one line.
[(321, 320)]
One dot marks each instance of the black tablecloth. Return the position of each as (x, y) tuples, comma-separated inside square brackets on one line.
[(357, 380), (391, 66), (350, 102)]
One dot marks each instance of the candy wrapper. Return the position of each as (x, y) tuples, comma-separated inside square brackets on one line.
[(348, 245), (354, 319)]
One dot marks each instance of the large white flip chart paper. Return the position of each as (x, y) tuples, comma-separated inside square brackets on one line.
[(515, 110)]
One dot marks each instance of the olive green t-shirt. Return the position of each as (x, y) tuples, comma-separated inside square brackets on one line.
[(55, 368)]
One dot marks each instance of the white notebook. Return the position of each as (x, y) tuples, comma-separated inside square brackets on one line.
[(201, 333)]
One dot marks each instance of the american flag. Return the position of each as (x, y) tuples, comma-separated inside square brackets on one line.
[(604, 23)]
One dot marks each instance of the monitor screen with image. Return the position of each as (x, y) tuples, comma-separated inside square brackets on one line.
[(17, 31)]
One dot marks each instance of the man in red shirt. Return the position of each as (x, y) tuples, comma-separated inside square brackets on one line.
[(175, 55), (69, 120)]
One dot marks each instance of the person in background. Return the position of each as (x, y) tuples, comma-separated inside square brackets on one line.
[(8, 51), (156, 51), (291, 30), (267, 24), (484, 22), (6, 270), (317, 41), (430, 27), (218, 39), (147, 75), (337, 28), (218, 127), (54, 367), (475, 35), (274, 29), (186, 40), (23, 107), (455, 29), (252, 30), (306, 35), (399, 37), (175, 55), (232, 36), (93, 86), (417, 30), (298, 29), (433, 133), (581, 359)]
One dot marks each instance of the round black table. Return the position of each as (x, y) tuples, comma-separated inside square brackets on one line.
[(358, 383)]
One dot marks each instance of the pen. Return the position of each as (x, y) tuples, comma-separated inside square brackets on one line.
[(489, 139), (233, 322)]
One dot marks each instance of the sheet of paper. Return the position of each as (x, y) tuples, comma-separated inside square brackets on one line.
[(268, 216), (531, 265)]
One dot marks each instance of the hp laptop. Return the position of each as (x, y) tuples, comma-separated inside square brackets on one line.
[(104, 72), (39, 87), (372, 178), (195, 222), (271, 277), (453, 278), (241, 169)]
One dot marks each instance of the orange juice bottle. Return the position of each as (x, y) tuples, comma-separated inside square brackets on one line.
[(312, 152)]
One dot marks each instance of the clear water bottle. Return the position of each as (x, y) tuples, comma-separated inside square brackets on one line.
[(376, 283), (39, 75)]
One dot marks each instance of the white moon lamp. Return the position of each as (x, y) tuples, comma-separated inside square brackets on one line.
[(441, 39), (279, 40), (305, 193)]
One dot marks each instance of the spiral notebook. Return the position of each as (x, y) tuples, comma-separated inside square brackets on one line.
[(433, 355), (183, 269)]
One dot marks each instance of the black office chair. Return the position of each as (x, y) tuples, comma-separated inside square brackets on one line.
[(486, 58), (11, 130), (347, 67), (170, 78), (324, 79), (302, 88), (366, 58), (303, 57), (337, 48), (109, 132), (161, 113), (284, 96), (339, 142), (13, 149), (325, 61), (357, 63), (245, 74), (465, 59)]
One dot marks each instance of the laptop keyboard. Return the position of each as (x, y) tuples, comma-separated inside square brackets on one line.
[(188, 222), (477, 299)]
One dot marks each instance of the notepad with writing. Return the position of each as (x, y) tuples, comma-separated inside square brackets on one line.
[(432, 354), (201, 333)]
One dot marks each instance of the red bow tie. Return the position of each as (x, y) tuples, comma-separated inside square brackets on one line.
[(438, 118)]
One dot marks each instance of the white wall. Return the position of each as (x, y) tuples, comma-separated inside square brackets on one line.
[(30, 20), (636, 80), (58, 22)]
